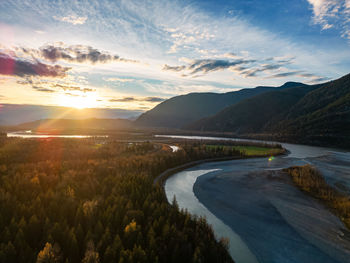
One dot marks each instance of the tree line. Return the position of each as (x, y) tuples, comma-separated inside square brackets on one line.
[(93, 200), (311, 181)]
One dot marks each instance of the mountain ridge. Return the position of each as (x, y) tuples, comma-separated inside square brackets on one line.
[(179, 111), (317, 114)]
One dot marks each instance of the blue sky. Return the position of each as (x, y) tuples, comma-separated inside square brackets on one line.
[(134, 54)]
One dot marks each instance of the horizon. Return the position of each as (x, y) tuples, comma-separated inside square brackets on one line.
[(132, 56)]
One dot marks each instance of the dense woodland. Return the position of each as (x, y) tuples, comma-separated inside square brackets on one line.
[(308, 179), (318, 114), (93, 200)]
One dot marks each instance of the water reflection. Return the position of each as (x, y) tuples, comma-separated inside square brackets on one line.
[(29, 134)]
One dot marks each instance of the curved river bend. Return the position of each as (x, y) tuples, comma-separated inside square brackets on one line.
[(255, 205)]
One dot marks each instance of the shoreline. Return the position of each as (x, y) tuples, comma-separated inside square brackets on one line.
[(161, 178)]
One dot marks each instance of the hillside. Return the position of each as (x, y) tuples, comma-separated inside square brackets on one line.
[(318, 114), (251, 115), (180, 111), (324, 112)]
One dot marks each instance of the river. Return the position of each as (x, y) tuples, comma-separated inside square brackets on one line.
[(31, 135), (255, 205)]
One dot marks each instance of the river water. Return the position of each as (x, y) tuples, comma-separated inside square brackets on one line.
[(30, 134), (255, 205)]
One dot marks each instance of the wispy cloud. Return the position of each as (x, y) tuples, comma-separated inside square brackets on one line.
[(244, 67), (74, 53), (72, 19), (154, 99), (332, 13), (207, 65), (73, 88), (125, 99), (137, 99), (42, 89), (285, 74)]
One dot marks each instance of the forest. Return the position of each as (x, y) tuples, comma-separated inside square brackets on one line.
[(94, 200)]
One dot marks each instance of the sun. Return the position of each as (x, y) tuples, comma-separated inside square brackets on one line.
[(78, 101)]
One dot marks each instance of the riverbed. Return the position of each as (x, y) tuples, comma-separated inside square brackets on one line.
[(255, 205)]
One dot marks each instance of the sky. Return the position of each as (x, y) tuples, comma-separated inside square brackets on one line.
[(132, 55)]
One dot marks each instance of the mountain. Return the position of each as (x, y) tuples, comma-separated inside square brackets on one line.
[(318, 114), (51, 125), (252, 114), (13, 114), (324, 112), (180, 111)]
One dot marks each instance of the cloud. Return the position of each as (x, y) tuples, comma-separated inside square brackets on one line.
[(11, 65), (73, 19), (43, 89), (125, 99), (173, 68), (252, 72), (73, 88), (332, 13), (207, 65), (284, 74), (75, 54), (313, 78), (133, 99), (250, 69), (154, 99), (52, 85), (318, 79)]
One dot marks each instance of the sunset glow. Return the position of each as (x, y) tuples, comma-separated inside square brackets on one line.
[(79, 101), (139, 53)]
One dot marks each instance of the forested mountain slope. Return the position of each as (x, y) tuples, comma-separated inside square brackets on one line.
[(308, 114), (252, 115), (179, 111)]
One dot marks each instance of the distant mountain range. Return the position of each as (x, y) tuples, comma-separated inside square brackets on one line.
[(14, 114), (253, 114), (313, 114), (180, 111)]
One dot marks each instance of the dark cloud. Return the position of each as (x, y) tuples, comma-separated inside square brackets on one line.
[(174, 68), (154, 99), (307, 75), (250, 72), (319, 79), (73, 88), (284, 74), (245, 67), (42, 89), (10, 65), (125, 99), (207, 65), (75, 53), (239, 68), (266, 67), (314, 78), (131, 99)]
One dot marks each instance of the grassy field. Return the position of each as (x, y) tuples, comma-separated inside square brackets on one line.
[(252, 150)]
